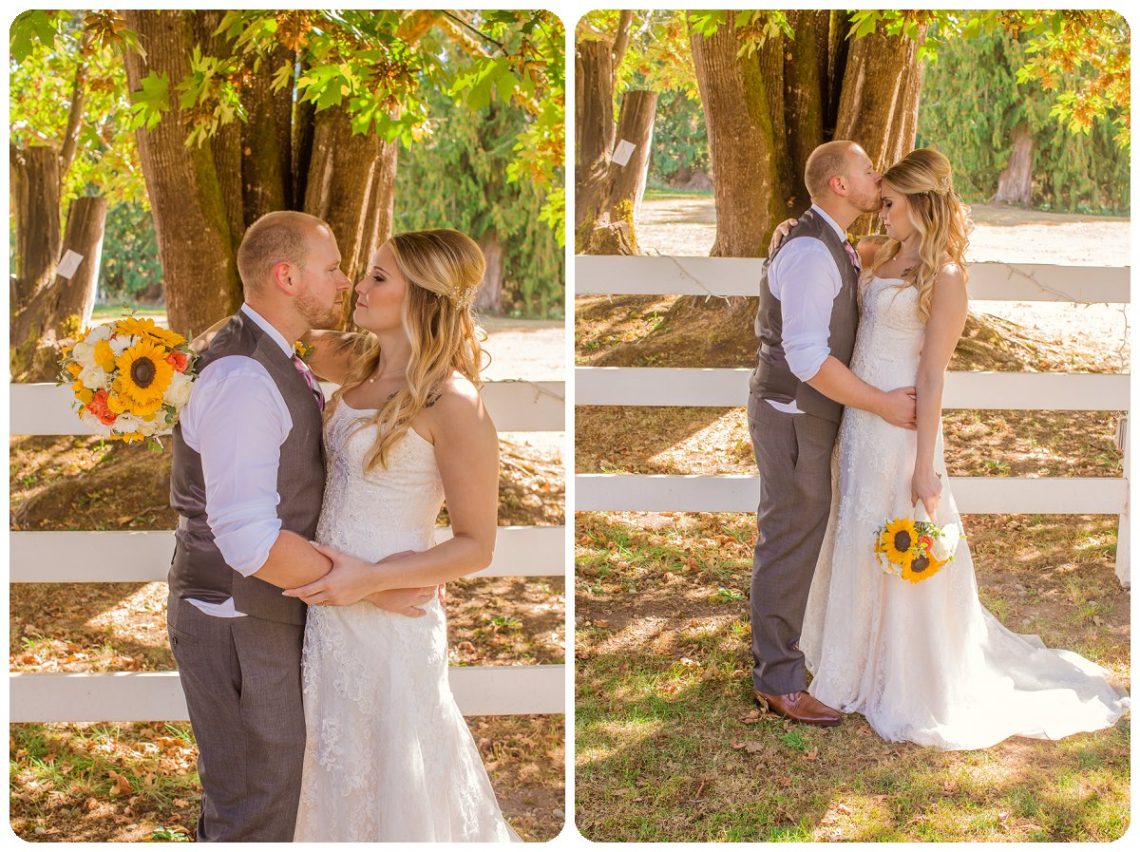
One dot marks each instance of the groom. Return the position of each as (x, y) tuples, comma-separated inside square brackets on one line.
[(806, 324), (247, 481)]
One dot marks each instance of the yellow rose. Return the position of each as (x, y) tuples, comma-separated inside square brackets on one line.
[(104, 355)]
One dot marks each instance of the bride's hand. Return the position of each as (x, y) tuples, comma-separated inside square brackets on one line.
[(350, 580), (927, 487), (407, 602), (778, 235)]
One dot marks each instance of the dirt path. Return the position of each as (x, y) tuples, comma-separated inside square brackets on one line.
[(686, 225)]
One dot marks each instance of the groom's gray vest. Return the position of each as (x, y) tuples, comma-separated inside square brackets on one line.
[(772, 379), (198, 570)]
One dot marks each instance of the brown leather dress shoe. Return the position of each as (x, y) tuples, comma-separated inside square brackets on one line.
[(799, 707)]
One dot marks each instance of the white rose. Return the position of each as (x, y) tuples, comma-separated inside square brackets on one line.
[(179, 391), (127, 422), (93, 376), (121, 344), (100, 332), (90, 419), (947, 543), (84, 353)]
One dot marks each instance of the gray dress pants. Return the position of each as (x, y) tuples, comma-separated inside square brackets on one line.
[(242, 679), (793, 453)]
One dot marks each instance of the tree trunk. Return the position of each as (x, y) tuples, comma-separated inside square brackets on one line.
[(350, 185), (767, 111), (749, 161), (35, 189), (594, 133), (1015, 185), (489, 298), (186, 191), (86, 220), (61, 309), (627, 183), (878, 105)]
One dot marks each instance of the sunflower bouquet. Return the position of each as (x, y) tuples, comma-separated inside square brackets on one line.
[(915, 548), (130, 378)]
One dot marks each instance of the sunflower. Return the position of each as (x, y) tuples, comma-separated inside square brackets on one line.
[(897, 540), (144, 376), (146, 327), (921, 568)]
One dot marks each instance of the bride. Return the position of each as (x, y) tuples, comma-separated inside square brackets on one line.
[(923, 662), (388, 755)]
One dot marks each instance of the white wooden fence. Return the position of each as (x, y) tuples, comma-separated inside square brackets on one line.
[(720, 277), (135, 556)]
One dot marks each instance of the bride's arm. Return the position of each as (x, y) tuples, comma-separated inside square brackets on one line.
[(943, 328), (467, 452), (333, 353)]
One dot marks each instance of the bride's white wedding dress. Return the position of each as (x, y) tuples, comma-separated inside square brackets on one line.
[(923, 662), (388, 755)]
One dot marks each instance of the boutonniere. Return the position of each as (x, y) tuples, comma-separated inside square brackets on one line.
[(303, 350), (851, 238)]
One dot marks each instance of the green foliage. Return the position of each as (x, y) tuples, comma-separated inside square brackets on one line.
[(49, 52), (973, 98), (456, 176), (680, 140), (130, 265)]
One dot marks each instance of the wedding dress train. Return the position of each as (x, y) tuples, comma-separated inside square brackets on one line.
[(923, 662), (388, 755)]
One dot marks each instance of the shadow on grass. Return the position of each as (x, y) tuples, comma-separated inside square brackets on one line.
[(669, 747)]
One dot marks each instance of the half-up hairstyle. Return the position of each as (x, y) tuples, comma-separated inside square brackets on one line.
[(936, 212), (443, 269)]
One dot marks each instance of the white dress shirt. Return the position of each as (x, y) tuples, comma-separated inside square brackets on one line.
[(805, 306), (237, 420)]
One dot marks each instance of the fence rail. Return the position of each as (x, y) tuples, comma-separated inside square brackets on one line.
[(128, 556), (723, 277), (157, 696), (515, 406), (728, 387), (740, 276)]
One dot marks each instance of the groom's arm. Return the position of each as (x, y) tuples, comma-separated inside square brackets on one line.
[(835, 381)]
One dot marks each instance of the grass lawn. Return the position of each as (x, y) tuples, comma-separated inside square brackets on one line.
[(670, 747)]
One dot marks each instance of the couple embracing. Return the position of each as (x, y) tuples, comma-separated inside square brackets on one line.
[(845, 412), (305, 607)]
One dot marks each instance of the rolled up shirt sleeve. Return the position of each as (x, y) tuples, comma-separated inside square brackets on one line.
[(237, 424), (808, 283)]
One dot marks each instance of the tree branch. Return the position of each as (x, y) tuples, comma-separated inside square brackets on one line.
[(75, 112), (621, 40), (475, 30)]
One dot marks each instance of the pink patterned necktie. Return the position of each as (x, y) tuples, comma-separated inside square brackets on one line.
[(852, 255), (311, 381)]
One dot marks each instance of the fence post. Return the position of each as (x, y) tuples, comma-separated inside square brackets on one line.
[(1123, 571)]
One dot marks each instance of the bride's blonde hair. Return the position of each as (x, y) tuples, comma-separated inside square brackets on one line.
[(443, 269), (936, 212)]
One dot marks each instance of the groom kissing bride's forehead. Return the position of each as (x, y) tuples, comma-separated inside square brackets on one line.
[(854, 347)]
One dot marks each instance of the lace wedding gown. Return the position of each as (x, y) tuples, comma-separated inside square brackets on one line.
[(388, 755), (923, 662)]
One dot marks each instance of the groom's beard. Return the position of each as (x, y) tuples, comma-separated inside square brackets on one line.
[(317, 315)]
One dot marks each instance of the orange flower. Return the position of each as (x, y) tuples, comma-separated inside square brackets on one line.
[(926, 542), (98, 407), (178, 361)]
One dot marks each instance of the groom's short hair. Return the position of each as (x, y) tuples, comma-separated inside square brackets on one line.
[(282, 235), (824, 163)]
